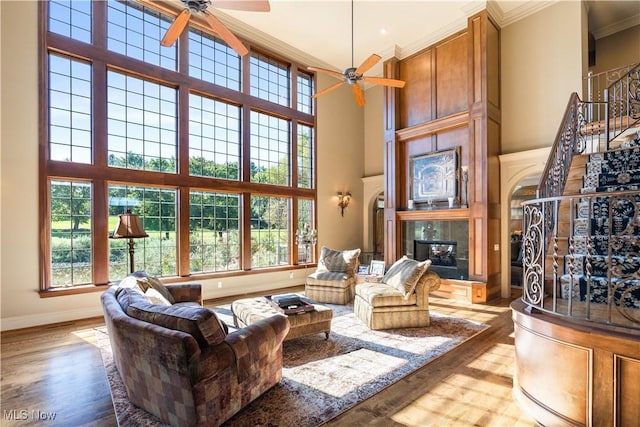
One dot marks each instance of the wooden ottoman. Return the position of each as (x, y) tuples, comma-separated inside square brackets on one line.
[(250, 310)]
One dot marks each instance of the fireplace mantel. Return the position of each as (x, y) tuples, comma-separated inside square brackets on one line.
[(453, 103)]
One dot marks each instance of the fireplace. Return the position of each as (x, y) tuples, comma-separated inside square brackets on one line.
[(440, 252), (444, 242)]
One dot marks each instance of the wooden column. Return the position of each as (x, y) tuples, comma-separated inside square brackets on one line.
[(390, 164)]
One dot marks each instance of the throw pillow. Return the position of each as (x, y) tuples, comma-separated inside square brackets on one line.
[(141, 281), (404, 274), (135, 281), (199, 322), (157, 285), (341, 261), (433, 280), (156, 297)]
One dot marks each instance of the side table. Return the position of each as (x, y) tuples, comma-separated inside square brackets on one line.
[(368, 278)]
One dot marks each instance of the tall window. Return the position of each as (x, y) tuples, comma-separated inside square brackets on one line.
[(70, 232), (214, 138), (141, 124), (69, 110), (167, 133)]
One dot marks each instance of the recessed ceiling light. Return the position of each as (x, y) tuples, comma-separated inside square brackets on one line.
[(383, 31)]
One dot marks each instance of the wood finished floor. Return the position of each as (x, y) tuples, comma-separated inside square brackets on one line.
[(58, 369)]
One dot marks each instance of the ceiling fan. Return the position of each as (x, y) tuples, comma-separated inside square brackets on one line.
[(352, 76), (200, 6)]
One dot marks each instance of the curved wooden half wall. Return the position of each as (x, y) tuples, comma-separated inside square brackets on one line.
[(571, 374)]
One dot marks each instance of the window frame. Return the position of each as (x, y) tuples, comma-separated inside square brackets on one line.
[(101, 175)]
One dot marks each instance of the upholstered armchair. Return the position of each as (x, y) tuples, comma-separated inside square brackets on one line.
[(335, 278), (400, 300), (177, 361)]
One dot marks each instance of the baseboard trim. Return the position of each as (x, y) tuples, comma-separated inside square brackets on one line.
[(29, 321)]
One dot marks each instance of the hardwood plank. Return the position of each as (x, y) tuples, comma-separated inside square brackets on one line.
[(58, 369)]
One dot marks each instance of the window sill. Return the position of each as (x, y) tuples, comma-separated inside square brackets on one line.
[(75, 290)]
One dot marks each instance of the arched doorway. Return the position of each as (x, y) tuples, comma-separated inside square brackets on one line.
[(524, 190), (378, 227), (515, 168)]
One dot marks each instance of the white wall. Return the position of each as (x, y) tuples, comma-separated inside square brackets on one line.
[(617, 50), (372, 180), (340, 139), (340, 165), (541, 65)]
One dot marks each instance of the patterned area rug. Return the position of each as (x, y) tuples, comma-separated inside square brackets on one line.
[(322, 378)]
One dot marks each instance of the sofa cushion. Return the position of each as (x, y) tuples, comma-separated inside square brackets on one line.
[(404, 274), (383, 295), (200, 322), (339, 261), (328, 278), (127, 296)]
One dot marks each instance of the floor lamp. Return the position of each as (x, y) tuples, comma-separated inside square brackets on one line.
[(129, 227)]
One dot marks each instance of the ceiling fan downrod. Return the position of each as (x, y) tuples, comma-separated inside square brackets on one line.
[(352, 44), (196, 6)]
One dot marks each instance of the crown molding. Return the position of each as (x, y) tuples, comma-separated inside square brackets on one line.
[(607, 30), (502, 18), (470, 8)]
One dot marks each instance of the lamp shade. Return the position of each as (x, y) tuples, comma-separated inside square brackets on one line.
[(128, 227)]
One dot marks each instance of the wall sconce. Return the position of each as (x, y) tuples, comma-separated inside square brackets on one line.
[(129, 227), (343, 201)]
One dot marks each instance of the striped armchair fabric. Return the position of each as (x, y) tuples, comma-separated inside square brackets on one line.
[(383, 306), (335, 278), (184, 378)]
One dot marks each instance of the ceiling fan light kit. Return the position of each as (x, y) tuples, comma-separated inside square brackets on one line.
[(352, 75), (200, 7)]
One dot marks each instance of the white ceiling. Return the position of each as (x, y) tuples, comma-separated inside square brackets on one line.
[(318, 32)]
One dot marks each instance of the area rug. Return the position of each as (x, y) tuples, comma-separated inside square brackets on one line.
[(322, 378)]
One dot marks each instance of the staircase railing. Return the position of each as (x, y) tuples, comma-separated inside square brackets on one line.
[(549, 249), (562, 282), (573, 137), (568, 142), (597, 83), (623, 103)]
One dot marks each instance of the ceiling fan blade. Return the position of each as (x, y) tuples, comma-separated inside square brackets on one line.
[(335, 74), (358, 94), (329, 89), (225, 34), (176, 28), (246, 5), (383, 81), (367, 64)]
